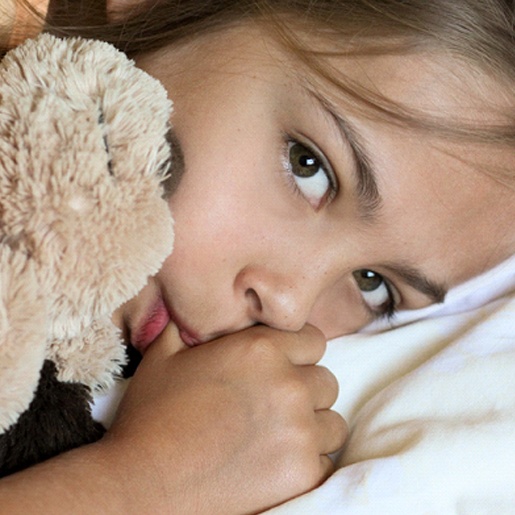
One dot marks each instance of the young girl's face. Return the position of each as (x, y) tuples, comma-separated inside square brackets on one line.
[(293, 209)]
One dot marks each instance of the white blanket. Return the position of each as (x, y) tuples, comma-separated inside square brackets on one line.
[(431, 405)]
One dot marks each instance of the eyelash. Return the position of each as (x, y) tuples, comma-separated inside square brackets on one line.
[(322, 160), (388, 309)]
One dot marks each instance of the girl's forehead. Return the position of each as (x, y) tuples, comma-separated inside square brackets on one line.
[(427, 181), (433, 81)]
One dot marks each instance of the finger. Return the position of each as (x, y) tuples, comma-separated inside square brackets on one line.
[(322, 385), (304, 347), (166, 344), (326, 467), (333, 431), (309, 348)]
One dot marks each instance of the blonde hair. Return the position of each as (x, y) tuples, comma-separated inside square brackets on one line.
[(479, 33)]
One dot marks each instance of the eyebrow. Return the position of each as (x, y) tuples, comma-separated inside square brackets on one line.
[(417, 280), (370, 201)]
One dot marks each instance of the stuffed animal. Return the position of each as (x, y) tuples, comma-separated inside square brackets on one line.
[(84, 153)]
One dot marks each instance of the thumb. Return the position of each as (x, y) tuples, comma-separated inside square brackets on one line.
[(165, 345)]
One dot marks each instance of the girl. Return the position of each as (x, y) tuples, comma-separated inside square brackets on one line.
[(340, 161)]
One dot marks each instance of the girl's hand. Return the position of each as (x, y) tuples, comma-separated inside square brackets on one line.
[(236, 425)]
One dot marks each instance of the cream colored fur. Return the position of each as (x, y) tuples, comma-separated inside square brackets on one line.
[(83, 151)]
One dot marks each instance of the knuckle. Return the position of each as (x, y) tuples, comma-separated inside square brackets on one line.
[(316, 336), (306, 440), (292, 391), (338, 428), (342, 429), (325, 386), (315, 472), (305, 471), (260, 343), (326, 468), (327, 379), (259, 331)]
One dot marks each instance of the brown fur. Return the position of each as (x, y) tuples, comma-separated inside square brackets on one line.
[(83, 222)]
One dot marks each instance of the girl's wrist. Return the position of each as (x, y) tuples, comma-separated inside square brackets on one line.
[(84, 480)]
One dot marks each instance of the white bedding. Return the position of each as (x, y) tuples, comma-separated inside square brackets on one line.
[(431, 404)]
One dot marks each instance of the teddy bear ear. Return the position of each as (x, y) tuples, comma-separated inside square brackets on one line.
[(88, 140)]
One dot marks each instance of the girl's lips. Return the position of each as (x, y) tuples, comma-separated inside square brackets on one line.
[(187, 336), (188, 339), (152, 327), (159, 317)]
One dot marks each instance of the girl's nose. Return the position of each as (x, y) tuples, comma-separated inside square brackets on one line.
[(273, 300)]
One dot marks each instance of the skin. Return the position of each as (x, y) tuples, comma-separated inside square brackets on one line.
[(250, 250), (234, 426)]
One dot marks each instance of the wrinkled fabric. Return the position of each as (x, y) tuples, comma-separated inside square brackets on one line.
[(430, 399), (431, 405)]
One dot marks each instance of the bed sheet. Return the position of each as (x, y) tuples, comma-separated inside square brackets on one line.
[(430, 399), (431, 405)]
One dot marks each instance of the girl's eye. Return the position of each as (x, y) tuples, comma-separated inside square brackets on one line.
[(310, 174), (376, 292)]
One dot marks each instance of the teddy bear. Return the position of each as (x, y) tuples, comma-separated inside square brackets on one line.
[(85, 156)]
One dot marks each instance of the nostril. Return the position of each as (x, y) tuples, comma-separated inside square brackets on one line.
[(254, 300)]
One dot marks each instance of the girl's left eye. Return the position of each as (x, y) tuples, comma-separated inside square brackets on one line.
[(376, 292), (310, 173)]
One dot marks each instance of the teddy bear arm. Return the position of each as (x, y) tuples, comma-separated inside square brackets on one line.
[(58, 419)]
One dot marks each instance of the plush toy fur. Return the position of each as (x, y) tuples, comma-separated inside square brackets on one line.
[(83, 223)]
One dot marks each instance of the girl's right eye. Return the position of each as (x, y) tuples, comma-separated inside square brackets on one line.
[(376, 292), (310, 174)]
